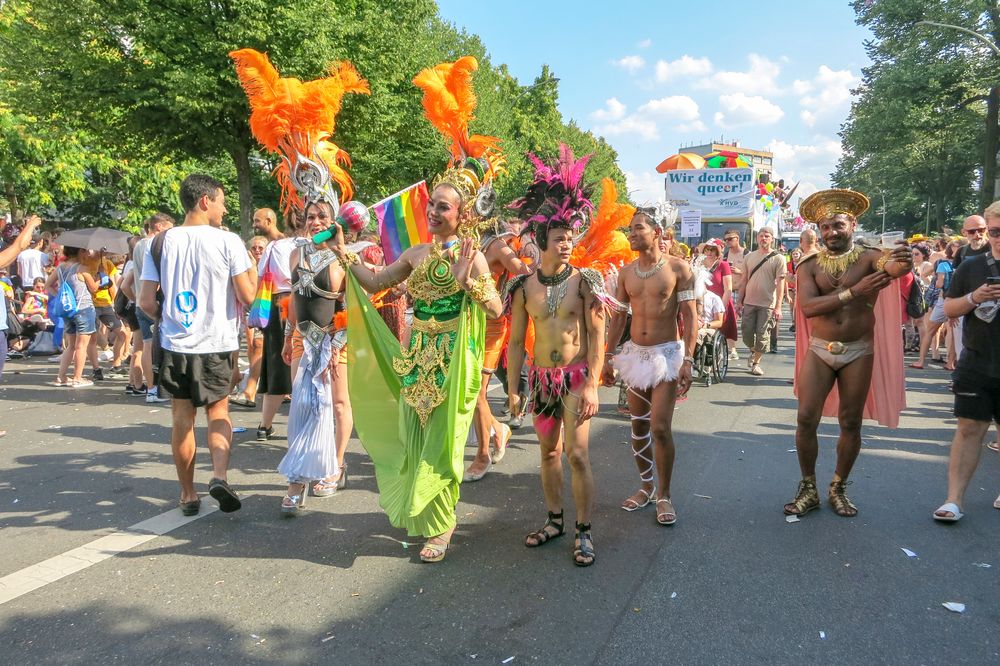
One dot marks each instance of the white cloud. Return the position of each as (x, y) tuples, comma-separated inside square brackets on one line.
[(679, 110), (807, 164), (645, 188), (691, 128), (645, 44), (738, 110), (760, 78), (613, 110), (675, 107), (808, 117), (631, 63), (800, 87), (683, 66), (830, 90)]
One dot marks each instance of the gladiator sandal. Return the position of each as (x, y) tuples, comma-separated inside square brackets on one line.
[(646, 474), (583, 554), (806, 498), (842, 506), (552, 528)]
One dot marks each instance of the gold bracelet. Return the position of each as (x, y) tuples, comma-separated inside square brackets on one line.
[(349, 259), (483, 289), (882, 261), (845, 295)]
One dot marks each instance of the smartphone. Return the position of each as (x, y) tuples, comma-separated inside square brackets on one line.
[(993, 281)]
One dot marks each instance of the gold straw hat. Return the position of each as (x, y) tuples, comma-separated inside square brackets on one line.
[(828, 203)]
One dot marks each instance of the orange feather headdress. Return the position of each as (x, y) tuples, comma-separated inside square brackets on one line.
[(296, 119), (603, 246), (449, 103)]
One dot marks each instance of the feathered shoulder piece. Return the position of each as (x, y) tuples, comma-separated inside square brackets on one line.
[(296, 119), (449, 104), (604, 247), (595, 282), (557, 197)]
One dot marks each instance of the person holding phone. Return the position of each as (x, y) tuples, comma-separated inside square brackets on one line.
[(974, 295)]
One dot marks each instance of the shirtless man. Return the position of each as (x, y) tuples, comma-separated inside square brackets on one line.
[(568, 316), (654, 363), (837, 289), (503, 263)]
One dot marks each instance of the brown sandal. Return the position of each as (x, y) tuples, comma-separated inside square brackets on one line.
[(841, 505), (806, 498)]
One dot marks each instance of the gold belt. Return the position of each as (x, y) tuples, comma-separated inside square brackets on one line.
[(836, 348), (434, 326)]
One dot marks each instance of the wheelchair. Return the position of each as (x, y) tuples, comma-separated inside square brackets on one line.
[(711, 356)]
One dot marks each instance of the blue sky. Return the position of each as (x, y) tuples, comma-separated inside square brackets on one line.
[(651, 76)]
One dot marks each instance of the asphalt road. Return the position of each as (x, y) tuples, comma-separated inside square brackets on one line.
[(731, 582)]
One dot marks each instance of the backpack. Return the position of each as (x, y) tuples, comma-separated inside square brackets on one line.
[(916, 304), (64, 304)]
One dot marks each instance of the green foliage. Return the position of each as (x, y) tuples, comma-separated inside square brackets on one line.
[(919, 122), (144, 92)]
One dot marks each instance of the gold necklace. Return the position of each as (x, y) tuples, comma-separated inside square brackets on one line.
[(642, 275), (835, 265)]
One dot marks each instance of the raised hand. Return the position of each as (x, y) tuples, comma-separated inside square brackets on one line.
[(462, 268)]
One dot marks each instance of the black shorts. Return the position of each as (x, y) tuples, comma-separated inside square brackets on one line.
[(977, 396), (106, 315), (130, 318), (201, 378)]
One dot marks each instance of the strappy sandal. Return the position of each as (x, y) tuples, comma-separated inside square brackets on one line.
[(437, 549), (806, 498), (648, 496), (544, 535), (290, 504), (842, 506), (584, 546), (324, 488), (661, 516)]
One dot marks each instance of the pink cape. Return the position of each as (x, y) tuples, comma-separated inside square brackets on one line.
[(887, 393)]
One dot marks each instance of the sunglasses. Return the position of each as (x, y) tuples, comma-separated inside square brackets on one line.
[(994, 232), (978, 231)]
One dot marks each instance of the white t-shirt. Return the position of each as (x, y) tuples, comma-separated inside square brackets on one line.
[(30, 265), (277, 255), (712, 307), (200, 309)]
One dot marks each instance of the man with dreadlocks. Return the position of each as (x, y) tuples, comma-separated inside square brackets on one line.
[(566, 306), (655, 364)]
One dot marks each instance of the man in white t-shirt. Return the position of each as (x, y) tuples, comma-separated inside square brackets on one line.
[(31, 265), (204, 274)]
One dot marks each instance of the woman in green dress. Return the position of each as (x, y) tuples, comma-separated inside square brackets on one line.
[(432, 383)]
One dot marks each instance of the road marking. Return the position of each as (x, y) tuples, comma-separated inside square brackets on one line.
[(39, 575)]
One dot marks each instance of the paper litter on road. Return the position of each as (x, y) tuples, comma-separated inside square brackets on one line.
[(791, 519), (981, 565), (954, 606), (822, 635), (507, 660), (791, 450), (909, 553), (328, 638), (254, 636), (673, 595), (703, 496), (239, 429)]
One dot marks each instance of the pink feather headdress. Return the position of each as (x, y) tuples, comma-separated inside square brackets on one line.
[(557, 198)]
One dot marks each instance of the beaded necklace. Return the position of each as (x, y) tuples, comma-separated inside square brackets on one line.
[(643, 275), (835, 265), (554, 296)]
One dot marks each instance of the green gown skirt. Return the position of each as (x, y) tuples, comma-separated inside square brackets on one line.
[(418, 457)]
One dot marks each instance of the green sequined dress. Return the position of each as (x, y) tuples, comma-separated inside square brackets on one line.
[(431, 384)]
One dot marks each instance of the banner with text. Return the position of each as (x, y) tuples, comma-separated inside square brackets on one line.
[(718, 193)]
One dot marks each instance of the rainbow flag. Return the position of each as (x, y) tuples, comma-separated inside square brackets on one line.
[(402, 220)]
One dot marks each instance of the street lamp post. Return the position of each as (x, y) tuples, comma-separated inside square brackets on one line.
[(882, 192)]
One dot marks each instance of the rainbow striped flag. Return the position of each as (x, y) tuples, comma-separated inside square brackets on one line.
[(402, 220)]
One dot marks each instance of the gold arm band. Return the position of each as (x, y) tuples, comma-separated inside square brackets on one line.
[(483, 289), (882, 261), (845, 295), (349, 259)]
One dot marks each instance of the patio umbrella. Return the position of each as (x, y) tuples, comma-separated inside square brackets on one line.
[(726, 159), (111, 241), (681, 161)]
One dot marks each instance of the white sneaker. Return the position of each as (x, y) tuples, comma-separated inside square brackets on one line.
[(105, 355), (756, 371), (734, 355), (153, 396)]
